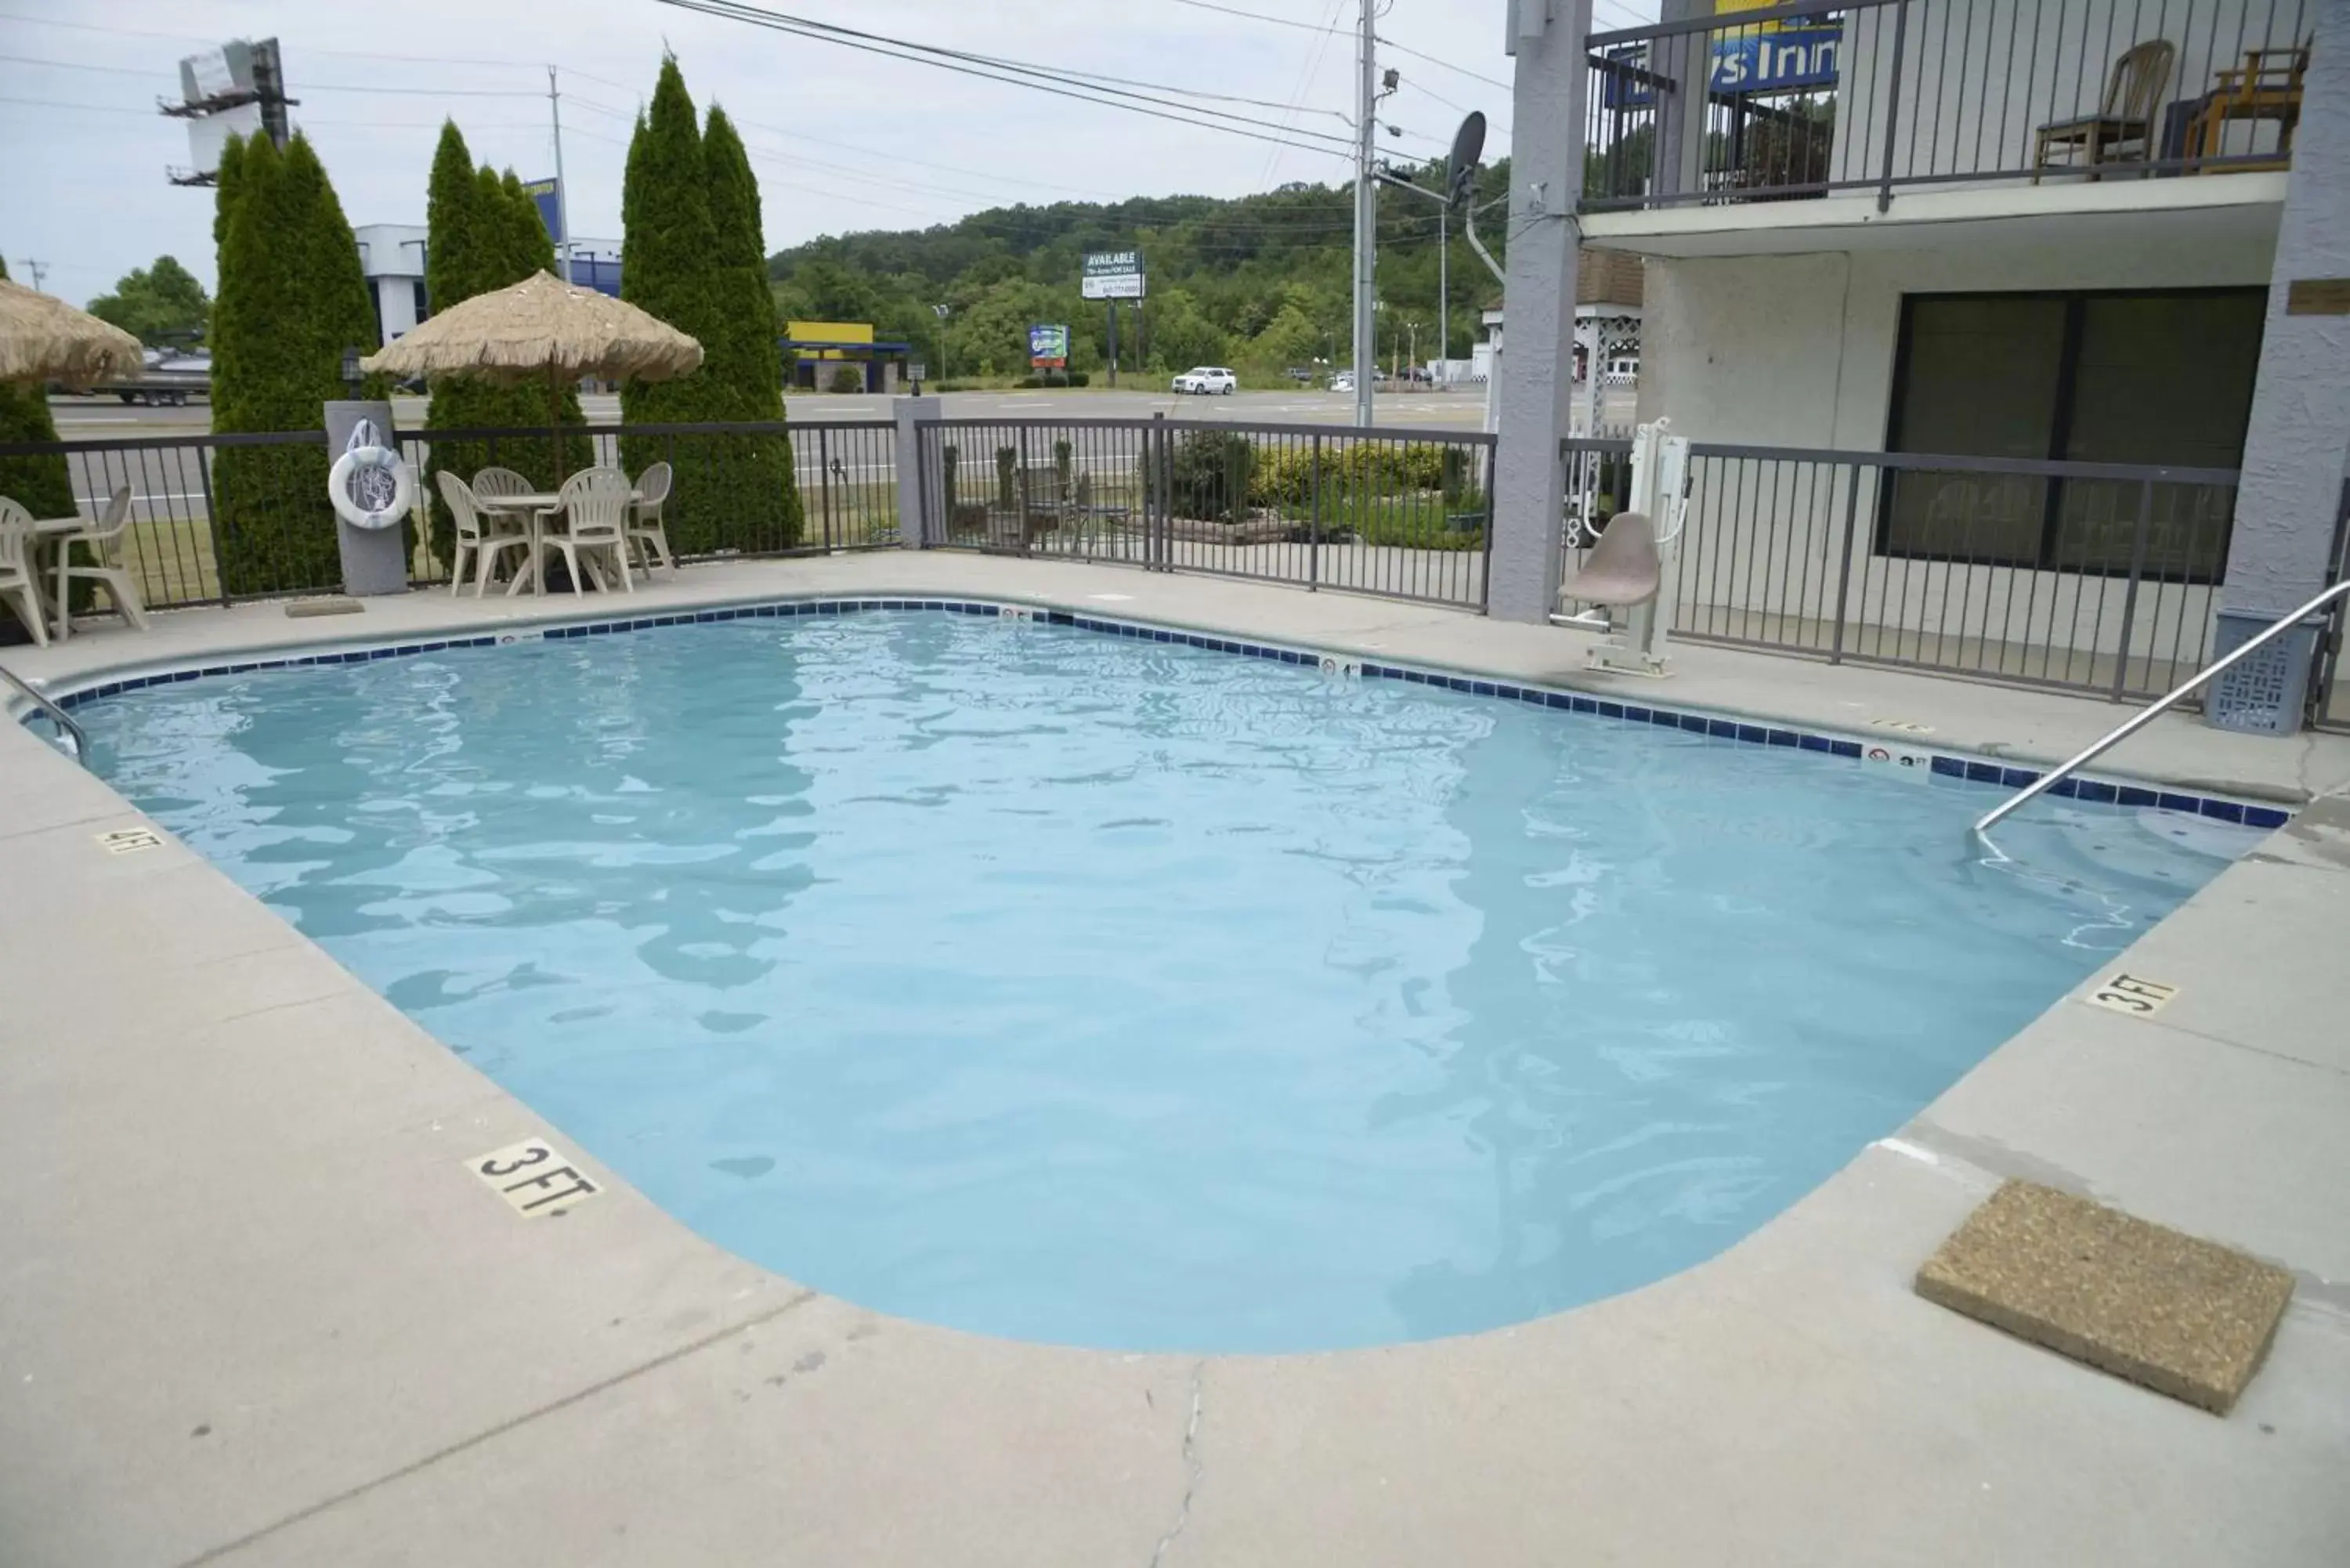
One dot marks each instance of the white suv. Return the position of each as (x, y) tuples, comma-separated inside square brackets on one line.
[(1207, 378)]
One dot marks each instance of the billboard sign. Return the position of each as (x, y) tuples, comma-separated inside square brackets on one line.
[(1113, 275), (1048, 347), (548, 195)]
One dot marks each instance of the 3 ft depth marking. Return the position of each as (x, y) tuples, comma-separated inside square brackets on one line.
[(533, 1179), (2133, 994)]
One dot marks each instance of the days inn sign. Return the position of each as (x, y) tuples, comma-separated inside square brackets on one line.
[(1752, 61)]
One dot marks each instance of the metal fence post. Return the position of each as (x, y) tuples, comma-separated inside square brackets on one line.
[(824, 485), (1844, 565), (2129, 600), (1314, 527), (1893, 103), (1485, 570), (213, 517)]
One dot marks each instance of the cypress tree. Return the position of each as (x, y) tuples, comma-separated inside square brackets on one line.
[(668, 240), (485, 234), (292, 298), (734, 492), (334, 288), (744, 351), (41, 484)]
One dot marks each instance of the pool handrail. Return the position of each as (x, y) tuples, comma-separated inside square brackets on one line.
[(2146, 715), (55, 714)]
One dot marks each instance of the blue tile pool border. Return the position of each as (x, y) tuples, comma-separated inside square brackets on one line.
[(1714, 726)]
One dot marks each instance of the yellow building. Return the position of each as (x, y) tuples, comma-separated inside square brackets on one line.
[(814, 350)]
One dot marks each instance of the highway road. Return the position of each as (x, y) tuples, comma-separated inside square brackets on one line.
[(102, 418)]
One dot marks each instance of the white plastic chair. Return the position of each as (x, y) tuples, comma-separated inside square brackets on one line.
[(648, 538), (17, 590), (595, 503), (106, 568), (495, 482), (485, 541)]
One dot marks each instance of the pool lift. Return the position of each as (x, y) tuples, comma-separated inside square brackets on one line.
[(1626, 573)]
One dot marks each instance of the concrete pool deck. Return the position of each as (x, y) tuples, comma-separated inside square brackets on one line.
[(257, 1309)]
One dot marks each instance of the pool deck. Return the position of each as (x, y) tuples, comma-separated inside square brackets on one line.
[(256, 1308)]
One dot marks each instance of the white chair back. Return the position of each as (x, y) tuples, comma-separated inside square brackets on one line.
[(652, 486), (16, 538), (459, 497), (502, 481), (595, 500), (110, 524)]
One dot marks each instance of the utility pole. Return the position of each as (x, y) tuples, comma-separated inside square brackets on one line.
[(1444, 284), (1367, 221), (562, 194), (39, 269)]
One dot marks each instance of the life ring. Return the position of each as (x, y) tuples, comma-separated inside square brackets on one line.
[(370, 460)]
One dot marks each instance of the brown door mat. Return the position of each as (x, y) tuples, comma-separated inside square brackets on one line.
[(2185, 1317)]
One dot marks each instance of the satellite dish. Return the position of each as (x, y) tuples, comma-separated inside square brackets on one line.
[(1468, 147)]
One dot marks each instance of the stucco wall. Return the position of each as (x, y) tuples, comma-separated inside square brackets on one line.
[(1798, 352)]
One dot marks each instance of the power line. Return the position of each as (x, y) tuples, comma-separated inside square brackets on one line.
[(1448, 65), (892, 49), (1260, 17)]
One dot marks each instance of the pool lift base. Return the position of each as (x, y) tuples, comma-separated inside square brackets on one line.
[(1627, 571)]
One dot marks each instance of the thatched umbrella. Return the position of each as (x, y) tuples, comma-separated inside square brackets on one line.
[(542, 327), (42, 338)]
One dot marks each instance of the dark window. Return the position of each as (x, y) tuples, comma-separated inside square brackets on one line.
[(422, 311), (2144, 378)]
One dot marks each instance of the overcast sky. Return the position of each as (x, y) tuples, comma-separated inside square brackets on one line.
[(841, 139)]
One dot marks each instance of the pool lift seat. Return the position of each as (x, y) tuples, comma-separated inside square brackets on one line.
[(1623, 579)]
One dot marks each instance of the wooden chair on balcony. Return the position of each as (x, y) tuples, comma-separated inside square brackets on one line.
[(2267, 87), (2122, 130)]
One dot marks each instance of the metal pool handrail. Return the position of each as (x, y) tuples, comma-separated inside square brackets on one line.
[(56, 715), (2139, 720)]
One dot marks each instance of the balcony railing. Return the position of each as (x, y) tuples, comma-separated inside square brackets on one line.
[(1881, 95)]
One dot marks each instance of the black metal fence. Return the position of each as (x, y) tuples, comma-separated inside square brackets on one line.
[(1400, 514), (219, 518), (1887, 95), (2094, 577), (2329, 703)]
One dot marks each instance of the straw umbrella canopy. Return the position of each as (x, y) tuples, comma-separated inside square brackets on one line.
[(42, 338), (542, 328)]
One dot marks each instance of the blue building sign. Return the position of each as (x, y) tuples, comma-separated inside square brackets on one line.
[(1795, 60), (550, 206)]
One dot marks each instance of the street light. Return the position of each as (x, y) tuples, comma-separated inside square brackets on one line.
[(942, 312)]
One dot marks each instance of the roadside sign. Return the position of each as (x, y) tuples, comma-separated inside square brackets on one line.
[(918, 371), (1113, 275), (546, 195), (1048, 347)]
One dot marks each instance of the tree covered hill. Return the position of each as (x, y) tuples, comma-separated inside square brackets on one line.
[(1261, 282)]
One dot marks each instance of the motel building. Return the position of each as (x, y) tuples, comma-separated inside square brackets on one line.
[(2095, 255)]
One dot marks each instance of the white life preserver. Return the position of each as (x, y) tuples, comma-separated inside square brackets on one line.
[(370, 460)]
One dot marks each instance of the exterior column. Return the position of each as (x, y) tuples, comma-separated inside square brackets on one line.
[(1538, 305), (2297, 448), (914, 492)]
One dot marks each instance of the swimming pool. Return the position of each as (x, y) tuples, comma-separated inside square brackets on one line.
[(1116, 993)]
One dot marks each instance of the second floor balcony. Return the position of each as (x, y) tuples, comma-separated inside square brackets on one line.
[(1879, 99)]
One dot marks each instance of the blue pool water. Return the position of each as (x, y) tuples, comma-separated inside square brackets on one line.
[(1070, 988)]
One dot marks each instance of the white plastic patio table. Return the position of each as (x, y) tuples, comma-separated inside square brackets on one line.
[(535, 509), (50, 534)]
